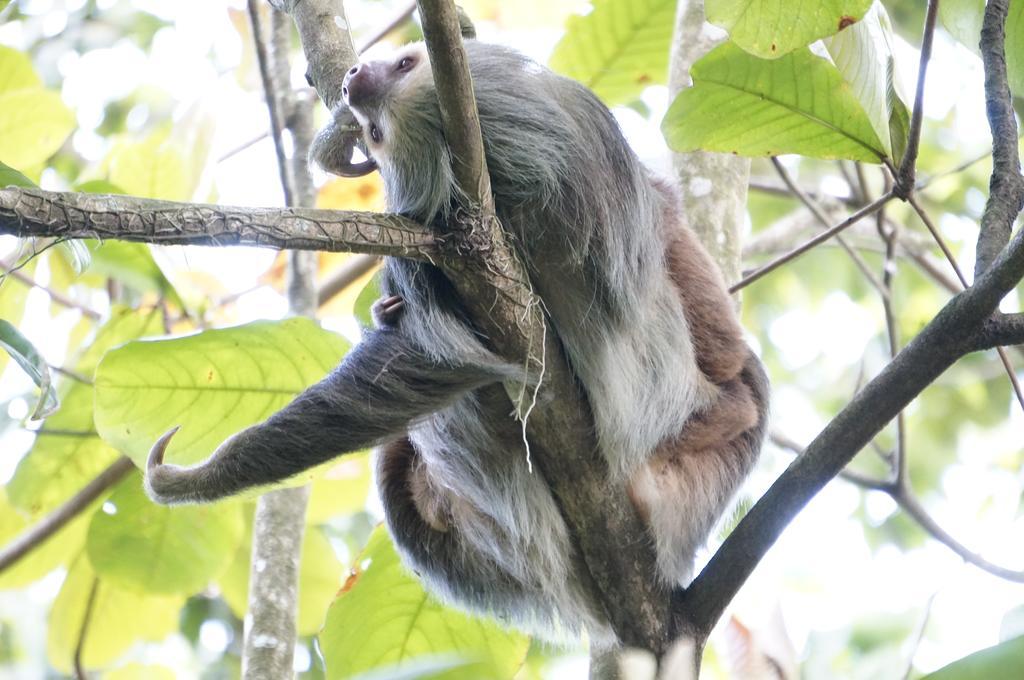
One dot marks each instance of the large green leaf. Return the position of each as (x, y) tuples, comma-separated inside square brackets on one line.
[(340, 489), (152, 168), (1002, 661), (772, 28), (865, 58), (33, 124), (16, 72), (136, 544), (212, 384), (798, 103), (384, 619), (319, 579), (619, 48), (67, 452), (963, 18), (119, 618)]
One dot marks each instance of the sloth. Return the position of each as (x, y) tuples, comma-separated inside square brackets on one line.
[(678, 399)]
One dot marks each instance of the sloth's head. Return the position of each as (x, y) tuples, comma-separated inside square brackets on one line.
[(390, 108), (385, 95)]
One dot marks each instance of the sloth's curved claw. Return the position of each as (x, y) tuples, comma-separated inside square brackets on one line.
[(156, 454), (355, 169)]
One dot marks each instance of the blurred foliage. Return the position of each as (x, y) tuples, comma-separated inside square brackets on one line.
[(181, 574)]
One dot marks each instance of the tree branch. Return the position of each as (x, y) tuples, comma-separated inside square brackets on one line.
[(57, 297), (344, 276), (280, 519), (822, 218), (34, 213), (869, 209), (904, 497), (1000, 330), (326, 41), (60, 517), (495, 288), (905, 175), (1006, 187), (950, 335)]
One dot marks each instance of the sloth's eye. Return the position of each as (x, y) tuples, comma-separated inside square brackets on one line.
[(405, 63), (375, 134)]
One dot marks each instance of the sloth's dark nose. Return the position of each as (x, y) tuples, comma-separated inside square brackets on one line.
[(358, 87)]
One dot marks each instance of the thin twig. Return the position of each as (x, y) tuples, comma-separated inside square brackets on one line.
[(71, 508), (84, 629), (68, 373), (908, 502), (1004, 357), (869, 209), (889, 233), (243, 146), (273, 102), (773, 189), (816, 210), (57, 297), (908, 167), (919, 635), (396, 21), (347, 274), (913, 507)]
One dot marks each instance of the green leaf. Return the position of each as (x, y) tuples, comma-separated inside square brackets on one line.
[(319, 579), (109, 635), (136, 544), (13, 295), (33, 124), (341, 489), (133, 265), (798, 103), (44, 558), (367, 296), (138, 671), (67, 452), (1001, 661), (963, 19), (865, 58), (619, 48), (16, 72), (152, 168), (212, 384), (772, 28), (384, 619), (10, 177), (25, 355)]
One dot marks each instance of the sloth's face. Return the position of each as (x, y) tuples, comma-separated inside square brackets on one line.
[(377, 92)]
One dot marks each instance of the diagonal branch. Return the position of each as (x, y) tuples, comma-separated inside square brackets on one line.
[(34, 212), (951, 334)]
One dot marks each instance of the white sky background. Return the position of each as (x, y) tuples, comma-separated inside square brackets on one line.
[(822, 573)]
